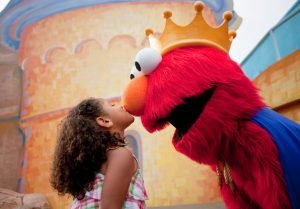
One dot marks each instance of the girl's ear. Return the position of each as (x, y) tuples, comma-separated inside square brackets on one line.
[(104, 122)]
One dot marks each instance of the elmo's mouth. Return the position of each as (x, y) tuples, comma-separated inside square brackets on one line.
[(185, 115)]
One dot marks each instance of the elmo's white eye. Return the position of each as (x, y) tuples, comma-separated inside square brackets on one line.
[(134, 73), (147, 60)]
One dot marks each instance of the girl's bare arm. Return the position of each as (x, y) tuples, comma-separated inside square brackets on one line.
[(120, 169)]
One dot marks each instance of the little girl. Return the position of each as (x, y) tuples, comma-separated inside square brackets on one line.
[(91, 162)]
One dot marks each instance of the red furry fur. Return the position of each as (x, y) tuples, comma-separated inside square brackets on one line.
[(223, 131)]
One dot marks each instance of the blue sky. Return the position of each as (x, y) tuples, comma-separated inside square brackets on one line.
[(259, 16)]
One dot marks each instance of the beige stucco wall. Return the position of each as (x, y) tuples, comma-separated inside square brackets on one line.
[(11, 140), (11, 154), (280, 86)]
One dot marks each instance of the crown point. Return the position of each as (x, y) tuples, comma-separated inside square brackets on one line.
[(148, 31), (227, 16), (232, 34), (167, 14), (198, 6)]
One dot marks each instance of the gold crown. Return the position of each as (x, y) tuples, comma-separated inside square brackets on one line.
[(198, 32)]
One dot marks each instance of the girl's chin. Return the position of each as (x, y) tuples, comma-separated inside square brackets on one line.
[(130, 120)]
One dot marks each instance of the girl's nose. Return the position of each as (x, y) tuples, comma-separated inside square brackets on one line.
[(133, 98)]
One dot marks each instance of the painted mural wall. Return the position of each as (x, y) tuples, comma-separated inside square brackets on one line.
[(87, 52)]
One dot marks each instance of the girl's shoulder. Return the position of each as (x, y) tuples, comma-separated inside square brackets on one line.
[(119, 152), (121, 156)]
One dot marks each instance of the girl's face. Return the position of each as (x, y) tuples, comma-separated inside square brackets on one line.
[(118, 115)]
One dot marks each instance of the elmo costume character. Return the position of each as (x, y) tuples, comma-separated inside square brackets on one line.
[(220, 120)]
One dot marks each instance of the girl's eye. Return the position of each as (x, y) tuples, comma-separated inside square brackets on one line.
[(113, 105)]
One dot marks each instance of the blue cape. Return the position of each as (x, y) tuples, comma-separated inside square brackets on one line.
[(286, 135)]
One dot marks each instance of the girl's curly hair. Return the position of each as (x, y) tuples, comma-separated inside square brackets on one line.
[(81, 148)]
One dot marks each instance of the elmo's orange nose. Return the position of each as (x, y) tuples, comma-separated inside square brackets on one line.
[(133, 98)]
